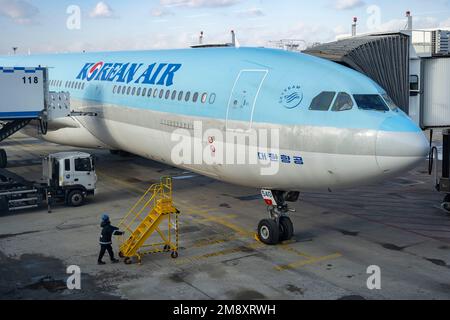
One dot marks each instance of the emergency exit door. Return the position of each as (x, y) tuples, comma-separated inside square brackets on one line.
[(244, 96)]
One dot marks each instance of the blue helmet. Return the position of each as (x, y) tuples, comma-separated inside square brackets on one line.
[(105, 218)]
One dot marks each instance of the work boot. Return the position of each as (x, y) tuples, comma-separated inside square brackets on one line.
[(100, 263), (115, 261)]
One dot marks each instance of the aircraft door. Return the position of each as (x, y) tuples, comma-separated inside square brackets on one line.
[(244, 96)]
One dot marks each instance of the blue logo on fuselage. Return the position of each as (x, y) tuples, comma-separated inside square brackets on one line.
[(291, 97), (162, 74)]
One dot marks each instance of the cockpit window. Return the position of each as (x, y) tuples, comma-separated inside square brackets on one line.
[(391, 104), (343, 102), (371, 102), (323, 101)]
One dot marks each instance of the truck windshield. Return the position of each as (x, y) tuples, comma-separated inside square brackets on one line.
[(83, 165), (371, 102)]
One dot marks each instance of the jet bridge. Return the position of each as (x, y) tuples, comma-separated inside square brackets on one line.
[(25, 97)]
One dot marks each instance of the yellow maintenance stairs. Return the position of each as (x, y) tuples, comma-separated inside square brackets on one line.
[(145, 218)]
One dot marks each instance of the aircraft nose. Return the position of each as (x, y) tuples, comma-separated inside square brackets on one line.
[(401, 145)]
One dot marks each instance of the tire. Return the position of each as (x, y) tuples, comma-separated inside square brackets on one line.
[(114, 152), (75, 198), (447, 198), (268, 232), (174, 255), (286, 229), (3, 159)]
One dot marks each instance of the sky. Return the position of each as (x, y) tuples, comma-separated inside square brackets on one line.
[(49, 26)]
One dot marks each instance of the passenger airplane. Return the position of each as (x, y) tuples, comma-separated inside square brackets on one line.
[(337, 128)]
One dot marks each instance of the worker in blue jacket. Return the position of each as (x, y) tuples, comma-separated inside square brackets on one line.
[(106, 239)]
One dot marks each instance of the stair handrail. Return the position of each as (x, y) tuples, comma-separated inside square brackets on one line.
[(123, 223)]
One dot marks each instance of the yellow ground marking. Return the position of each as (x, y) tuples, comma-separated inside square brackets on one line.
[(303, 263), (288, 248), (128, 185), (224, 222), (220, 253)]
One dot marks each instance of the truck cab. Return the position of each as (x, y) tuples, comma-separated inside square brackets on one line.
[(70, 176)]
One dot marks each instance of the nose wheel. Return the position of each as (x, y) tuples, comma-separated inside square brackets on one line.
[(279, 226)]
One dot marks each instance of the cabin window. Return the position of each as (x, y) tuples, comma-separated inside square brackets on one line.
[(82, 86), (155, 93), (144, 92), (323, 101), (114, 89), (188, 96), (343, 102), (167, 94), (161, 94), (195, 97), (128, 91), (118, 89), (124, 89), (204, 97), (67, 165), (133, 91), (212, 98), (370, 102), (138, 92), (180, 96), (174, 94)]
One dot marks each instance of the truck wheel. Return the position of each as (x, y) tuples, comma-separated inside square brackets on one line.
[(3, 159), (75, 198)]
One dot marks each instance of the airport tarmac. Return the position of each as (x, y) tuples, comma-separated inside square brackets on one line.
[(397, 226)]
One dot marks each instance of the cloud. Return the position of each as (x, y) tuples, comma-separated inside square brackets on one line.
[(199, 3), (348, 4), (445, 24), (161, 12), (400, 24), (19, 11), (102, 10), (252, 13)]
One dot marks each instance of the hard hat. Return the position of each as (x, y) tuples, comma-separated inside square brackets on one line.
[(105, 217)]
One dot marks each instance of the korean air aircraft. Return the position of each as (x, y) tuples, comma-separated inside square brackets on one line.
[(333, 127)]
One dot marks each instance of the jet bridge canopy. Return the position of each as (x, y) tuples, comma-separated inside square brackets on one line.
[(22, 92), (383, 57)]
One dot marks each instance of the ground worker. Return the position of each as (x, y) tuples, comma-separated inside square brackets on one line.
[(106, 239)]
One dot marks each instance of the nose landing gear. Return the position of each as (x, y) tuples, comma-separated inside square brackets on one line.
[(279, 226)]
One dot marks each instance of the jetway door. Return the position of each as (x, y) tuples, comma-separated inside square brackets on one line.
[(244, 96)]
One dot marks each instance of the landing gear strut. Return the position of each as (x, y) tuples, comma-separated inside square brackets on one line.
[(278, 227)]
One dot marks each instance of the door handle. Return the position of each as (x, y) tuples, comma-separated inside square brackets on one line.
[(76, 180)]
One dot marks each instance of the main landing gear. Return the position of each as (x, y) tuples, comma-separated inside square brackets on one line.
[(278, 227)]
